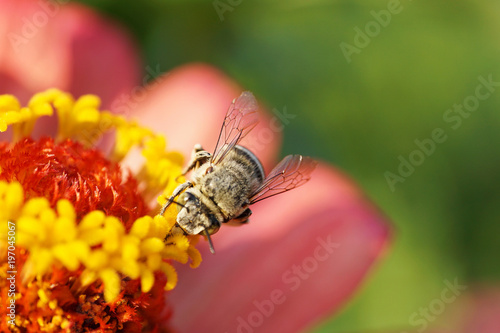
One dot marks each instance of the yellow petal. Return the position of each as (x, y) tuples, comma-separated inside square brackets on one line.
[(43, 109), (9, 103), (171, 274), (130, 248), (87, 277), (153, 261), (42, 260), (79, 248), (92, 220), (65, 209), (25, 240), (35, 206), (93, 237), (48, 218), (87, 102), (96, 260), (111, 242), (64, 230), (63, 253), (147, 280), (113, 223), (179, 240), (130, 269), (161, 226), (114, 231), (173, 252), (63, 105), (28, 225), (152, 245), (195, 256), (112, 284), (11, 199), (88, 116), (141, 226)]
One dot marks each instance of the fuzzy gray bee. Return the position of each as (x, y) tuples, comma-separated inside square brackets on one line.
[(224, 184)]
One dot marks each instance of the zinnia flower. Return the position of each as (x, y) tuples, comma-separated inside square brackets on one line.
[(299, 260), (88, 254)]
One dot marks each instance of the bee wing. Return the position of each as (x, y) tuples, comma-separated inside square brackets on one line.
[(240, 119), (293, 171)]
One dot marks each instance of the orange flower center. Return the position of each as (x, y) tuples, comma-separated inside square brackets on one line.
[(70, 171), (89, 252)]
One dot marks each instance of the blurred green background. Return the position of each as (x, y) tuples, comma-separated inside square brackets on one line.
[(362, 114)]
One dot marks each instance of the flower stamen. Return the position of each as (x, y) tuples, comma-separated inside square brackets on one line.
[(53, 237), (90, 255)]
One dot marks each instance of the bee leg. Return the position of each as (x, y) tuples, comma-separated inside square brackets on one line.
[(178, 190), (198, 157), (197, 147), (210, 244), (241, 219)]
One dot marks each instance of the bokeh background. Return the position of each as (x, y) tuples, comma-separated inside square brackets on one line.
[(361, 113)]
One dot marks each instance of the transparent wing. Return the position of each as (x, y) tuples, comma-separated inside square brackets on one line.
[(240, 119), (293, 171)]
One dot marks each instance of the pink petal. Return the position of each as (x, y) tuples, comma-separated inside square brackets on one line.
[(475, 310), (104, 61), (479, 311), (188, 105), (49, 44), (33, 52), (280, 263)]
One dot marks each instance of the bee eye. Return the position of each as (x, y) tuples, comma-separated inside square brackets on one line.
[(183, 198), (209, 170)]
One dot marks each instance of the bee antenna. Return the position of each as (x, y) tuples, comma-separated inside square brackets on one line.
[(183, 206), (210, 244), (162, 211)]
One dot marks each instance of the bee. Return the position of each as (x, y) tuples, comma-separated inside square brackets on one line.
[(224, 184)]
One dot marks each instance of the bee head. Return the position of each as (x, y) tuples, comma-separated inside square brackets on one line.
[(194, 217), (189, 204)]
